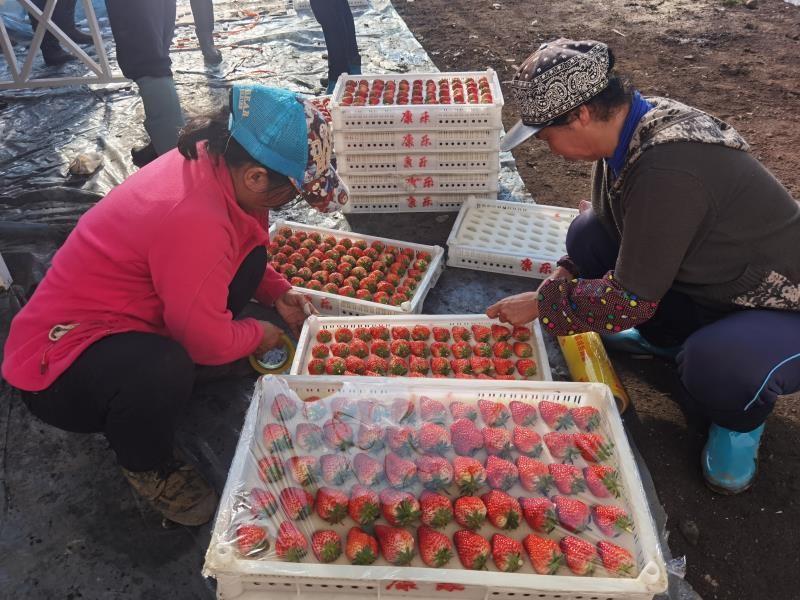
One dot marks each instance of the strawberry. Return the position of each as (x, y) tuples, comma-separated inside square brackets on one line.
[(334, 366), (419, 349), (545, 554), (313, 409), (340, 349), (359, 349), (482, 349), (432, 411), (364, 505), (500, 332), (502, 510), (494, 414), (440, 350), (522, 413), (523, 349), (436, 510), (481, 333), (587, 418), (399, 471), (290, 544), (420, 332), (343, 407), (507, 553), (501, 350), (337, 434), (481, 365), (397, 545), (533, 475), (400, 333), (270, 469), (441, 334), (418, 365), (399, 508), (461, 334), (616, 560), (380, 332), (376, 364), (473, 549), (567, 478), (468, 474), (503, 367), (331, 505), (369, 471), (435, 548), (324, 336), (462, 410), (307, 436), (343, 334), (602, 481), (397, 366), (251, 540), (571, 513), (363, 334), (369, 437), (335, 468), (276, 437), (497, 441), (539, 513), (611, 520), (461, 350), (460, 366), (434, 472), (400, 348), (439, 366), (283, 408), (303, 470), (500, 473), (527, 441), (320, 351), (526, 367), (327, 545), (296, 502), (360, 547), (262, 503), (561, 445), (433, 439), (579, 555), (523, 334), (593, 447), (466, 437), (469, 512), (403, 411), (401, 440), (380, 348), (557, 416)]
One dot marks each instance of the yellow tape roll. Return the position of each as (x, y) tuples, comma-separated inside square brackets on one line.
[(264, 370)]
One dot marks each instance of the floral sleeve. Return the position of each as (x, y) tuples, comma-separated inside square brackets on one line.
[(573, 306)]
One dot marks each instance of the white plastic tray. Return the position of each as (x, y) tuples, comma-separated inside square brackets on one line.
[(424, 183), (313, 324), (415, 140), (392, 203), (509, 237), (349, 163), (334, 305), (245, 579), (305, 4)]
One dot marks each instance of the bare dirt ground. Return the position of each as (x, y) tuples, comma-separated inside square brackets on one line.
[(743, 65)]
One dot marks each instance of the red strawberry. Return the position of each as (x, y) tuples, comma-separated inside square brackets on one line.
[(337, 434), (270, 469), (331, 505), (501, 350), (557, 416), (469, 512), (433, 439), (363, 334), (316, 366), (399, 508), (481, 365), (602, 481), (440, 366), (523, 334), (526, 367), (401, 333), (507, 553), (380, 348), (276, 438), (481, 333), (420, 332), (539, 513), (441, 334), (462, 410), (461, 334), (340, 349), (355, 365), (436, 509), (461, 350), (522, 413), (364, 505), (502, 510), (523, 349), (324, 336), (400, 348), (397, 545), (290, 545), (432, 411), (262, 503), (403, 411), (500, 332), (482, 349), (527, 441), (376, 364), (468, 474), (343, 334), (533, 475), (460, 366), (334, 468), (380, 332), (616, 560), (307, 436), (399, 471), (611, 520), (397, 366), (587, 418), (369, 471), (251, 540), (360, 547), (440, 350), (545, 554), (296, 502), (500, 473), (369, 437), (579, 555), (593, 447), (327, 545), (497, 441), (335, 366), (572, 514), (303, 470), (503, 367), (401, 440), (320, 351), (567, 478), (561, 445), (466, 437), (494, 414), (434, 472), (284, 408), (435, 548), (419, 349), (473, 549)]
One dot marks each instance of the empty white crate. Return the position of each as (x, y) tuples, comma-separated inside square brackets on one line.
[(422, 183), (409, 202), (509, 237), (355, 163)]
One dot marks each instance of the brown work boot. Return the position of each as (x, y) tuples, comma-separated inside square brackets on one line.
[(177, 491)]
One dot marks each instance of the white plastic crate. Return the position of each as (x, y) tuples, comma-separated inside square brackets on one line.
[(313, 325), (349, 163), (410, 116), (415, 140), (424, 183), (271, 579), (509, 237), (334, 305), (391, 203), (305, 4)]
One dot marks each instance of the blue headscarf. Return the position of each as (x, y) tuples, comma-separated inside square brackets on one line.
[(639, 108)]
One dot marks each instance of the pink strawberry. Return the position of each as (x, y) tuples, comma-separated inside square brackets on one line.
[(399, 508), (462, 410), (296, 502), (307, 436), (331, 505), (435, 548), (502, 510), (545, 554), (473, 549), (611, 520), (313, 409), (522, 413), (497, 441), (561, 445), (572, 514), (284, 408), (602, 481), (567, 478), (500, 332), (616, 560), (533, 475), (290, 545), (397, 545), (433, 439), (401, 440), (526, 441), (262, 503), (360, 547), (337, 434), (303, 469), (539, 513), (527, 367), (587, 418), (507, 553), (500, 473), (403, 411), (326, 545), (593, 447), (469, 512), (276, 438), (557, 416), (399, 471), (369, 437), (434, 472), (481, 333), (579, 555), (468, 474), (466, 437), (251, 540), (461, 334), (432, 411), (364, 505), (494, 414), (334, 468), (270, 469), (369, 471), (436, 509)]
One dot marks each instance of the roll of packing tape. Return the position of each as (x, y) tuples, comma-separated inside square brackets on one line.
[(275, 360)]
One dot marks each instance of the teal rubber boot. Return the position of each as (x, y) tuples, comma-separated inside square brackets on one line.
[(730, 459), (163, 117), (631, 341)]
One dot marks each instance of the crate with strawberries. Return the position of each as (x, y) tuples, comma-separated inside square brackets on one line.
[(442, 478)]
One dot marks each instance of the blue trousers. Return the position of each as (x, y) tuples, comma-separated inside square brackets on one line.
[(338, 27), (733, 363)]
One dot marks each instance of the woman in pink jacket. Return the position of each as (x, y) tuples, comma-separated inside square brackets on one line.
[(151, 279)]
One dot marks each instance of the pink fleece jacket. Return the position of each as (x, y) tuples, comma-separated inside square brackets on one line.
[(156, 255)]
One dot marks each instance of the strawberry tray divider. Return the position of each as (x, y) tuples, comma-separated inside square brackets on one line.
[(314, 324), (334, 304), (252, 579), (509, 237)]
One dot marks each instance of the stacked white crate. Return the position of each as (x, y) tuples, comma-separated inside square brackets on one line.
[(417, 157)]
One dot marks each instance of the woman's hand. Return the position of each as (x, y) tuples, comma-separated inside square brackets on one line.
[(271, 337), (519, 309), (294, 307)]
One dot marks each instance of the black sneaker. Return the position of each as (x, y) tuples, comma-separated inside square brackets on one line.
[(55, 56), (144, 155)]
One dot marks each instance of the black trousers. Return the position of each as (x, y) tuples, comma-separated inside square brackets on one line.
[(132, 386), (336, 20), (63, 16), (143, 31)]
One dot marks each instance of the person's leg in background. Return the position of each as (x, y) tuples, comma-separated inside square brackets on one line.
[(203, 14), (143, 33), (353, 55), (733, 371), (64, 17), (328, 14)]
